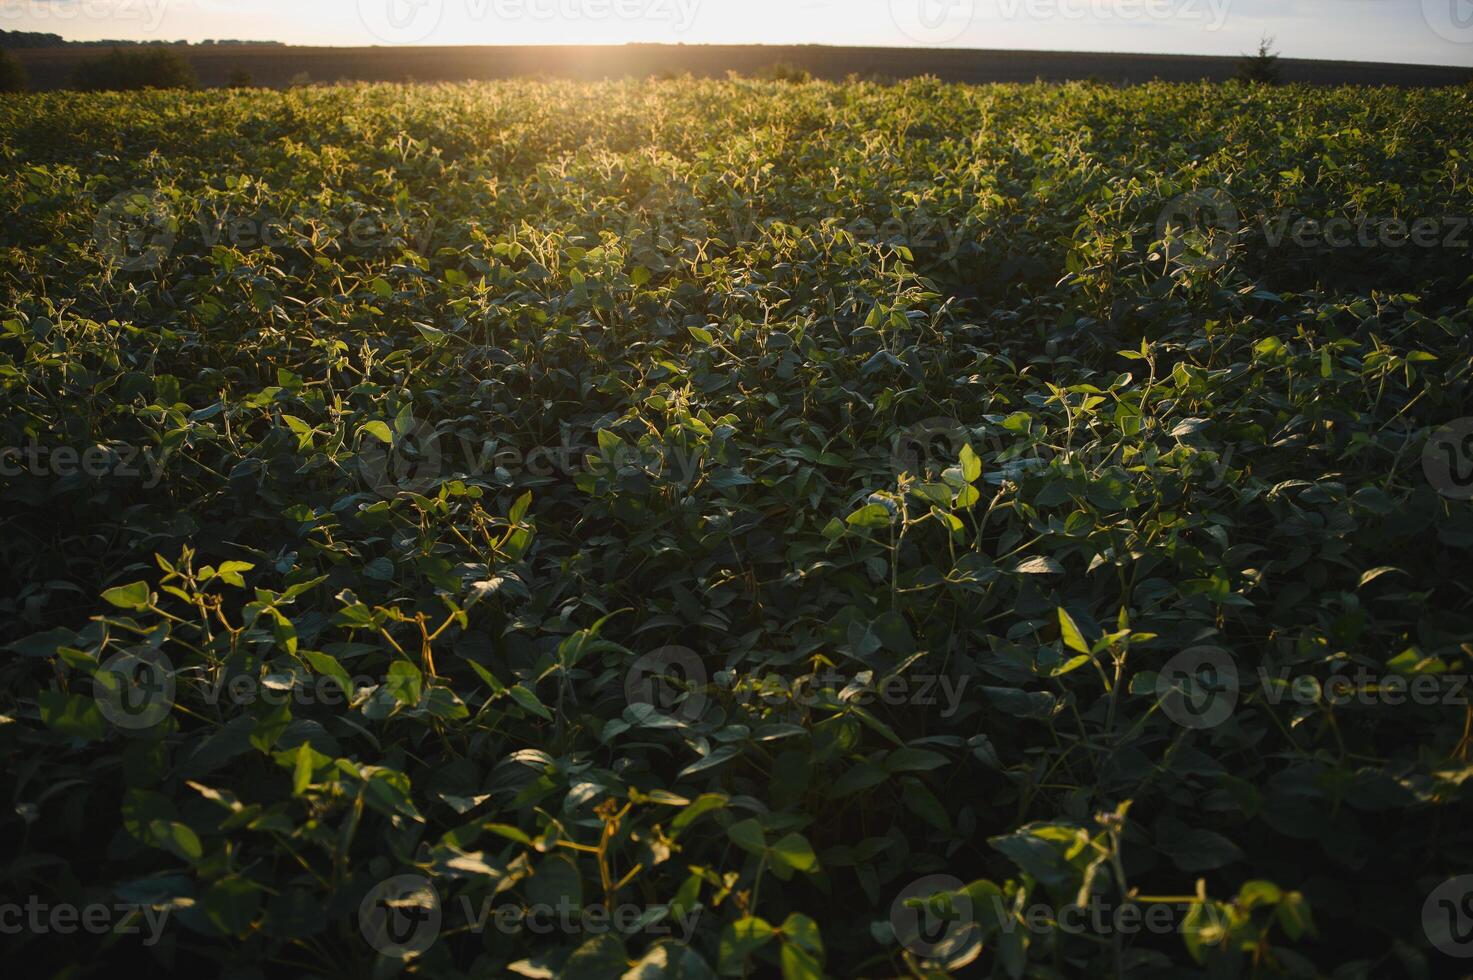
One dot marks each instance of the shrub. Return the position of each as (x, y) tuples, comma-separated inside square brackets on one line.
[(126, 71), (240, 78), (1261, 68), (12, 73)]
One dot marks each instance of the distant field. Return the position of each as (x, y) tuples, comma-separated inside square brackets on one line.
[(276, 65), (670, 529)]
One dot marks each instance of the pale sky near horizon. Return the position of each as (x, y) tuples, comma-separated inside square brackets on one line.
[(1413, 31)]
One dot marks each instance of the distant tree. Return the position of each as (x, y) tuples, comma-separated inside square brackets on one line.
[(12, 73), (1261, 68), (240, 78), (126, 71), (30, 39)]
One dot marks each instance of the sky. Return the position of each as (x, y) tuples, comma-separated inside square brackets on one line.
[(1411, 31)]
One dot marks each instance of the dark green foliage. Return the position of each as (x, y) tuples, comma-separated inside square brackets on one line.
[(12, 73), (131, 69), (240, 78), (841, 390)]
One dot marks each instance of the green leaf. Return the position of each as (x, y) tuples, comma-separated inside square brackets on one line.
[(870, 515), (799, 964), (71, 715), (1041, 565), (748, 835), (231, 905), (704, 803), (1294, 916), (915, 760), (711, 761), (177, 838), (740, 940), (794, 851), (1072, 635), (405, 682), (134, 596), (971, 464), (379, 430), (524, 697)]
